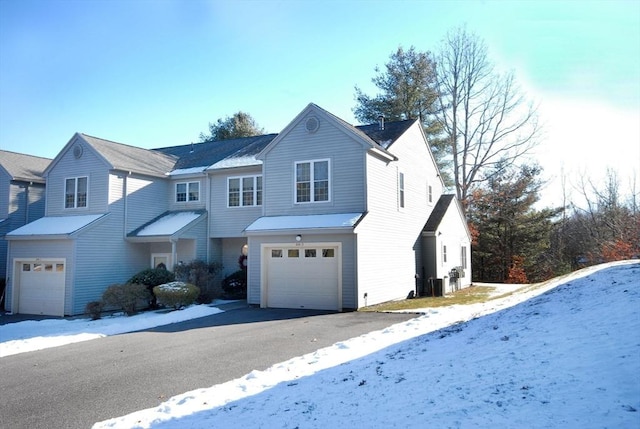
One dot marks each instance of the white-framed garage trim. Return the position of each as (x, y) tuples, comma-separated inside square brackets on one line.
[(39, 286), (319, 270)]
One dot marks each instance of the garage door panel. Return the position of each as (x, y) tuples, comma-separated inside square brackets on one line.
[(303, 278), (41, 287)]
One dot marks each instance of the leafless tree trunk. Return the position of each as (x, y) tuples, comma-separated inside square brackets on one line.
[(487, 120)]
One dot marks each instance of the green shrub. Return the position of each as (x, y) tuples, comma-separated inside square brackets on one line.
[(202, 275), (126, 297), (176, 294), (152, 277), (94, 309)]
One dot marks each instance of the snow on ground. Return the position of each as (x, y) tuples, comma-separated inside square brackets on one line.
[(33, 335), (568, 357)]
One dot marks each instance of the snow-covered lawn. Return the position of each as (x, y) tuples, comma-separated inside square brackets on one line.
[(568, 356)]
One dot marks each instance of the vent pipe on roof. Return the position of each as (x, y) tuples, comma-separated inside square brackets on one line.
[(191, 151), (381, 122)]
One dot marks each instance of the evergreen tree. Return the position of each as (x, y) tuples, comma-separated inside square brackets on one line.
[(513, 237)]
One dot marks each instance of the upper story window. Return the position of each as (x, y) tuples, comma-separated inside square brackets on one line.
[(244, 191), (187, 192), (75, 193), (401, 189), (429, 193), (312, 181)]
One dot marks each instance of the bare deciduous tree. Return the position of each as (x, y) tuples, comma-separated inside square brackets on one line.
[(486, 118)]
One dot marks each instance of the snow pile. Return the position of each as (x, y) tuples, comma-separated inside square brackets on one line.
[(33, 335), (569, 357)]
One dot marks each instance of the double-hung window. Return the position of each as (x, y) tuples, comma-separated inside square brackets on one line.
[(312, 181), (244, 191), (75, 193), (187, 192)]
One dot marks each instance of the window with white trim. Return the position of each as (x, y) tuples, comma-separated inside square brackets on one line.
[(401, 190), (429, 193), (187, 192), (312, 181), (244, 191), (444, 254), (75, 192)]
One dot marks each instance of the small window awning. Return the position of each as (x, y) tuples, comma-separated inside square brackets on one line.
[(168, 226), (54, 227), (340, 222)]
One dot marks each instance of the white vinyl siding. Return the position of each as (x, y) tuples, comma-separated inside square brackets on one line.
[(244, 191), (312, 181), (76, 192)]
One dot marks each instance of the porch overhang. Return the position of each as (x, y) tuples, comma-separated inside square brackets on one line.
[(319, 224), (55, 227), (169, 226)]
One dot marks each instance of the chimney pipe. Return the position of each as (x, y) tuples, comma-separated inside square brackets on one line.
[(381, 122)]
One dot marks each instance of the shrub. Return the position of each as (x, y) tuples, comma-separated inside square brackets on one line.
[(94, 309), (235, 285), (202, 275), (176, 294), (126, 297), (152, 277)]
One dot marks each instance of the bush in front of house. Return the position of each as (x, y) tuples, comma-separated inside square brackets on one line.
[(152, 277), (203, 275), (126, 297), (94, 309), (235, 285), (176, 294)]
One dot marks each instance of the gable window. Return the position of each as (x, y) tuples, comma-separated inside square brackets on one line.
[(244, 191), (401, 189), (444, 254), (312, 181), (429, 194), (75, 194), (187, 192)]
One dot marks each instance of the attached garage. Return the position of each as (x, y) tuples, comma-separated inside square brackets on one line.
[(40, 286), (302, 276)]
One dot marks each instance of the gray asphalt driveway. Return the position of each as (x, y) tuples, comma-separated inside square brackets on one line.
[(76, 385)]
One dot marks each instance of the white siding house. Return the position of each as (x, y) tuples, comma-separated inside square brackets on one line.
[(332, 216)]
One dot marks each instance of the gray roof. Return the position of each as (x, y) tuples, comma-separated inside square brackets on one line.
[(389, 134), (438, 212), (130, 158), (208, 153), (24, 167)]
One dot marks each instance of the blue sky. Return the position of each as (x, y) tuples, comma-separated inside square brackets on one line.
[(155, 73)]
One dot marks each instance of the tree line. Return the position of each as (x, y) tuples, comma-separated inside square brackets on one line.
[(481, 127)]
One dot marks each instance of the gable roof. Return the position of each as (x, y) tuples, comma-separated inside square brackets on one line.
[(130, 158), (314, 109), (438, 212), (24, 167)]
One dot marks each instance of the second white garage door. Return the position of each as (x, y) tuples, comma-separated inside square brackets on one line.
[(303, 277)]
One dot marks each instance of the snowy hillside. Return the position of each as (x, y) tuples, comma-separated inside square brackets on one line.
[(569, 358)]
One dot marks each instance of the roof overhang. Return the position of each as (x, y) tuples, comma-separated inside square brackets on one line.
[(55, 227), (169, 226), (319, 224)]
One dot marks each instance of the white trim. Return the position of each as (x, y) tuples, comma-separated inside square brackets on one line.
[(187, 184), (75, 193), (311, 163), (15, 282), (265, 248), (240, 196)]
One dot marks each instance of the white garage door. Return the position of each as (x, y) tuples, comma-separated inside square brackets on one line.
[(41, 287), (303, 277)]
